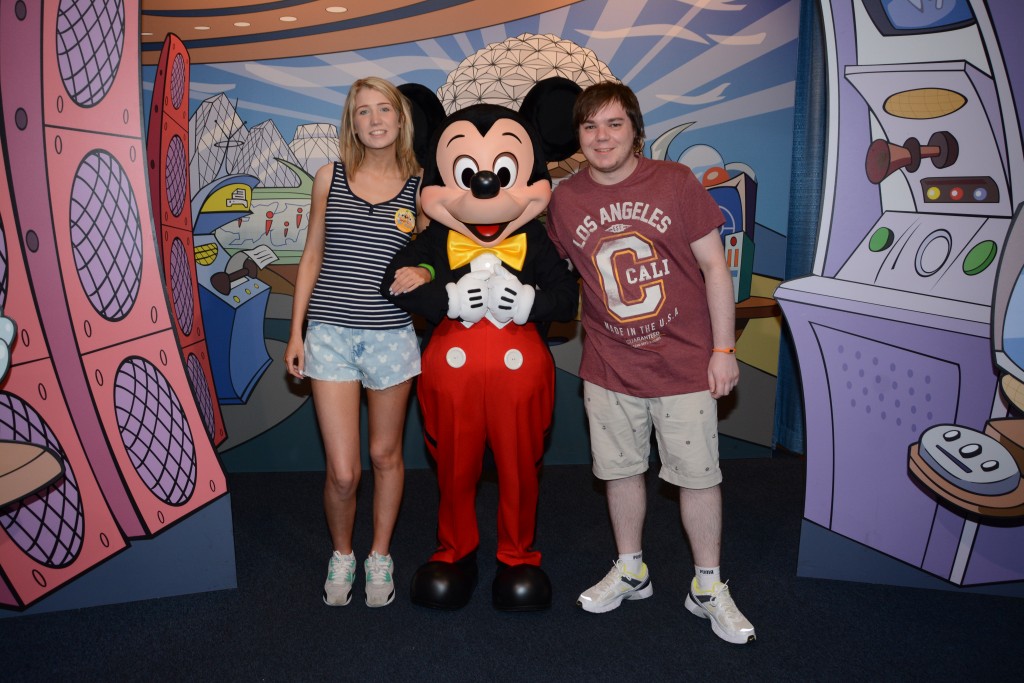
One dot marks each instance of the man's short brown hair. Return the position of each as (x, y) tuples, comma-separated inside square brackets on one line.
[(599, 95)]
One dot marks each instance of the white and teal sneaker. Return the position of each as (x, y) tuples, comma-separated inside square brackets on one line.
[(341, 574), (617, 586), (727, 621), (380, 584)]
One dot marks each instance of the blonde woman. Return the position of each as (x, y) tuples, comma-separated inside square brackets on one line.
[(363, 210)]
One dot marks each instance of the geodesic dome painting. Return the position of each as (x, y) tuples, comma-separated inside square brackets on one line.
[(502, 73)]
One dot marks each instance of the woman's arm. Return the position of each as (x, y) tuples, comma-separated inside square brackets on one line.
[(429, 299)]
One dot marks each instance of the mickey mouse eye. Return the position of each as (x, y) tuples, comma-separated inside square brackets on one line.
[(465, 169), (506, 168)]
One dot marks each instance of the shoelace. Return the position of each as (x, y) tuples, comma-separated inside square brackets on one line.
[(612, 578), (341, 569), (722, 599), (378, 569)]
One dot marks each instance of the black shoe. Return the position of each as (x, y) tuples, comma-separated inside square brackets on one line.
[(520, 588), (445, 585)]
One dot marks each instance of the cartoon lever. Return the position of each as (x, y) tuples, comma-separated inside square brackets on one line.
[(222, 281), (885, 158)]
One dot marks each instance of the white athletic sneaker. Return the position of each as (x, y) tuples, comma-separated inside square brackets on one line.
[(617, 586), (380, 585), (341, 573), (727, 621)]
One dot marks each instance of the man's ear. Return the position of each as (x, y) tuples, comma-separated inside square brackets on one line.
[(548, 106)]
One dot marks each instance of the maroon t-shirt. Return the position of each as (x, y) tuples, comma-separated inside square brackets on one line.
[(645, 310)]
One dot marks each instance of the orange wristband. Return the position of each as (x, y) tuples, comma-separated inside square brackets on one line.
[(730, 350)]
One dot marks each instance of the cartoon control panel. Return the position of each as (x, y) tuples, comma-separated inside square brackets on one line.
[(968, 469)]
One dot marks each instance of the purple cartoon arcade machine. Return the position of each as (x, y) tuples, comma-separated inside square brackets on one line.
[(893, 329)]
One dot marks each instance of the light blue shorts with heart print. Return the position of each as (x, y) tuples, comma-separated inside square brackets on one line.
[(377, 358)]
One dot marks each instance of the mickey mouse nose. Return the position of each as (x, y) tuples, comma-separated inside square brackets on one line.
[(485, 185)]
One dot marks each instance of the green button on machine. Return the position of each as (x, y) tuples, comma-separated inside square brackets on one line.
[(881, 239), (980, 257)]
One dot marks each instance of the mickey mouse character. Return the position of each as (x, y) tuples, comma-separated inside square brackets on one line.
[(487, 374)]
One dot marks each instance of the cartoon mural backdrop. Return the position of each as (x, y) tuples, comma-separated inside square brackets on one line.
[(714, 78), (916, 283), (102, 446), (173, 312)]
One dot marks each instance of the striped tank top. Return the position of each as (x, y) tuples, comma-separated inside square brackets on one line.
[(359, 243)]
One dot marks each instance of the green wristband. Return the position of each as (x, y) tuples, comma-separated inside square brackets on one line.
[(430, 269)]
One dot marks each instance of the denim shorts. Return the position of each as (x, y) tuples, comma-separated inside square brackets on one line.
[(376, 358), (686, 426)]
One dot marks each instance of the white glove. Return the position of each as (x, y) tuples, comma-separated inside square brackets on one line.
[(467, 298), (509, 299)]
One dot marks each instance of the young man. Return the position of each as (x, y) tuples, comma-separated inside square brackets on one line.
[(659, 322)]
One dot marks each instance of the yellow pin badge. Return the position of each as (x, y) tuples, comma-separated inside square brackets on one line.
[(405, 220)]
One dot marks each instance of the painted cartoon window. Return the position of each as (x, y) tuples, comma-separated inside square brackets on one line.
[(902, 17)]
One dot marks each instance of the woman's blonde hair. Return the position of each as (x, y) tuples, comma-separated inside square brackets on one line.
[(352, 150)]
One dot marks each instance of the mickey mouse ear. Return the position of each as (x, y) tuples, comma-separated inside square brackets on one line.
[(548, 106), (427, 115)]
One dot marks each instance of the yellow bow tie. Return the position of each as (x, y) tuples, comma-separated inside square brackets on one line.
[(462, 250)]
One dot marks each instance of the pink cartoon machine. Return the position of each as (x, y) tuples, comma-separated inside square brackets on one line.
[(96, 380)]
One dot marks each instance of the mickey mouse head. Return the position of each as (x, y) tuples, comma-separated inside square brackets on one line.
[(485, 171)]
